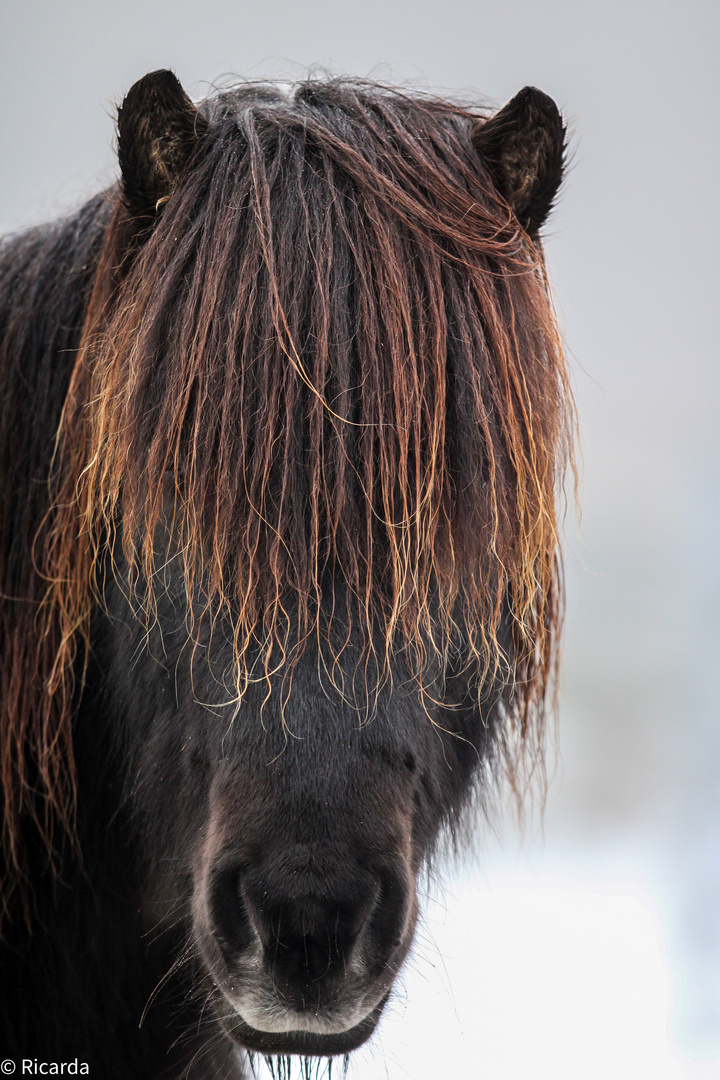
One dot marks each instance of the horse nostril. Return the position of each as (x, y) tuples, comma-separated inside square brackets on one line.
[(231, 920), (387, 927)]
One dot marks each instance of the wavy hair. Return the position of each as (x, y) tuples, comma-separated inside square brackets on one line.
[(328, 366)]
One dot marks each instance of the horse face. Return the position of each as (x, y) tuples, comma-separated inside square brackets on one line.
[(290, 829)]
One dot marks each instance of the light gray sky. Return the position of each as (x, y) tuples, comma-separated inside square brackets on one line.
[(633, 254)]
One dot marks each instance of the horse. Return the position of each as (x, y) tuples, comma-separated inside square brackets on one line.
[(283, 417)]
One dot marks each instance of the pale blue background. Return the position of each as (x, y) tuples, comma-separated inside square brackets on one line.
[(598, 952)]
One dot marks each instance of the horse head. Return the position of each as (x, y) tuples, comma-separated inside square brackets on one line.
[(303, 543)]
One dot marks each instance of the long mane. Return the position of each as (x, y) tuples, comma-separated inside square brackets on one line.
[(332, 366)]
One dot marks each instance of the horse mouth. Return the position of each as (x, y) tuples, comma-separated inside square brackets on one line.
[(305, 1043)]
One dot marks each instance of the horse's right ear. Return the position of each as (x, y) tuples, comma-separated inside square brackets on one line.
[(159, 128), (523, 149)]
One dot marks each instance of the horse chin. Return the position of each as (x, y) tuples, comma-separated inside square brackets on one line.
[(304, 1043)]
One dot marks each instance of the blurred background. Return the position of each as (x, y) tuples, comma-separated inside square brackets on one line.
[(590, 948)]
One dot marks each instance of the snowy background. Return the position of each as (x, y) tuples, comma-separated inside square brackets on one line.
[(592, 948)]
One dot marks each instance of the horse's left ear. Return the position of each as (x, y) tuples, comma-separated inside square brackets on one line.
[(159, 128), (523, 148)]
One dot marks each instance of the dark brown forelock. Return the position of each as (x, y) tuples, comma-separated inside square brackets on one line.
[(334, 361)]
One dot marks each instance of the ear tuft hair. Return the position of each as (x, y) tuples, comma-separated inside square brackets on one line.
[(523, 148), (159, 128)]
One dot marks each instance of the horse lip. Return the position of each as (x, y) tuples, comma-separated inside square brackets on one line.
[(306, 1043)]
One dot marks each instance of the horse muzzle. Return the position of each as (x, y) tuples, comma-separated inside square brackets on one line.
[(304, 943)]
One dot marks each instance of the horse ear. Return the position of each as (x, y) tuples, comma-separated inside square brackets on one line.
[(523, 148), (158, 130)]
